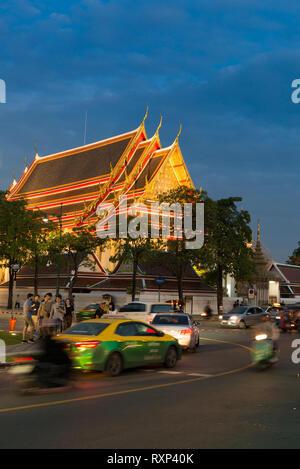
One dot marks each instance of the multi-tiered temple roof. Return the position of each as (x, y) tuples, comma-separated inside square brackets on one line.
[(73, 183), (76, 181)]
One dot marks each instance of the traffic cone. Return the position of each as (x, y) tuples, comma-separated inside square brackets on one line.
[(12, 324)]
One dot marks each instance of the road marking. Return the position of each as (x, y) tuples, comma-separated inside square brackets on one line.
[(128, 391), (171, 372), (198, 374)]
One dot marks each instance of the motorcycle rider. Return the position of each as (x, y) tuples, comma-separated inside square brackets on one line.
[(268, 327)]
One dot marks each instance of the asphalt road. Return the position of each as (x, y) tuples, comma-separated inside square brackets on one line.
[(213, 399)]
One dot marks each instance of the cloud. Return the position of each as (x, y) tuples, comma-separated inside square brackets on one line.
[(224, 69)]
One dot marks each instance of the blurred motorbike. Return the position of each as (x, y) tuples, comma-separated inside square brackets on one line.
[(49, 368), (264, 355)]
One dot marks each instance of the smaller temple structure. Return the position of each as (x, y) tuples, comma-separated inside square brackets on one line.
[(265, 283)]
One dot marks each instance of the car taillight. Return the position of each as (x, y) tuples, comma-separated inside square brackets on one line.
[(186, 331), (87, 345), (204, 313), (23, 359)]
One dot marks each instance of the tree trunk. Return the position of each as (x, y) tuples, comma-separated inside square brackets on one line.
[(134, 272), (220, 289), (10, 288), (73, 282), (36, 273)]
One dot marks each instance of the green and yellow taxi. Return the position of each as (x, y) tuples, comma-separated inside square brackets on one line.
[(88, 312), (111, 345)]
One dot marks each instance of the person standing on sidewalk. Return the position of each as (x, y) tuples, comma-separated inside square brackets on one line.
[(70, 314), (28, 321), (59, 313)]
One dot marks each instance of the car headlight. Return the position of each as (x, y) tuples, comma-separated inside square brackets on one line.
[(220, 317), (233, 318)]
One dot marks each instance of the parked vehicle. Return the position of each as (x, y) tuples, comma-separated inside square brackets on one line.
[(144, 311), (243, 316), (111, 345), (180, 326)]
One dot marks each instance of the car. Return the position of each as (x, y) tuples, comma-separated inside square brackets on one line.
[(144, 311), (180, 326), (243, 316), (111, 345), (88, 312)]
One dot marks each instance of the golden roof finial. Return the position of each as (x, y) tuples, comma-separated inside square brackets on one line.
[(145, 116), (159, 125), (25, 161), (258, 231), (177, 136)]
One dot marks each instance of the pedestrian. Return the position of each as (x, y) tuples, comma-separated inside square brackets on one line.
[(70, 313), (17, 303), (36, 304), (103, 309), (236, 304), (28, 321), (58, 313), (45, 312)]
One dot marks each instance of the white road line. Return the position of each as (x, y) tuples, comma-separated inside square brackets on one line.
[(198, 374), (171, 372)]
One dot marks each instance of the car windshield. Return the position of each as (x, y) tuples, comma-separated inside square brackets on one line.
[(170, 320), (161, 309), (239, 310), (87, 328)]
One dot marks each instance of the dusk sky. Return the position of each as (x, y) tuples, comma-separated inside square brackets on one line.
[(223, 68)]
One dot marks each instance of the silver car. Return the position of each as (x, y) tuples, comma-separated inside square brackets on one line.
[(243, 316), (180, 326)]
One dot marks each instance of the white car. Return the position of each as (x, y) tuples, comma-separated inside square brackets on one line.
[(143, 311), (181, 327)]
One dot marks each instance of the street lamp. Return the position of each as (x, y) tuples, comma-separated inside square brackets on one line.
[(59, 251)]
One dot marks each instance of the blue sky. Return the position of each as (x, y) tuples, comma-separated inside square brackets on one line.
[(221, 67)]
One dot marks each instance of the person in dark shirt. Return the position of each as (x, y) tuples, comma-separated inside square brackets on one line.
[(69, 314)]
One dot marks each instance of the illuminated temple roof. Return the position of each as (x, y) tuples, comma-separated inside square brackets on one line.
[(76, 181)]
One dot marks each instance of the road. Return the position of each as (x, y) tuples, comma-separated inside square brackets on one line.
[(213, 399)]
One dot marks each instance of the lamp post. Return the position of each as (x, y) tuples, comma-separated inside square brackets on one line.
[(15, 269), (59, 251)]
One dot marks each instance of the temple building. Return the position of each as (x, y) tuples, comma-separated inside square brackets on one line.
[(69, 186), (289, 279)]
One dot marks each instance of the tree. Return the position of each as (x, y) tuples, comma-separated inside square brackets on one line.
[(225, 250), (135, 251), (77, 246), (16, 226), (294, 259), (174, 252), (38, 235)]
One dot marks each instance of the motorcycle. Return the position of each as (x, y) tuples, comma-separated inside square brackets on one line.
[(263, 353), (48, 369)]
